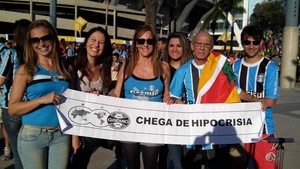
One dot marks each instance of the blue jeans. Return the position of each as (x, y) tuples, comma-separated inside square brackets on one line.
[(175, 156), (12, 126), (39, 148)]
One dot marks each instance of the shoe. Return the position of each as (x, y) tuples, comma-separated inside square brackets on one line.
[(7, 154)]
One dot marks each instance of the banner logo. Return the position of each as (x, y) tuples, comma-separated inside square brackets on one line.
[(99, 117), (118, 120)]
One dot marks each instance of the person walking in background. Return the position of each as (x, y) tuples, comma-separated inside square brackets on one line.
[(177, 53), (71, 51), (161, 45), (91, 72), (257, 81), (115, 66), (7, 155), (144, 74), (123, 53), (40, 79), (115, 48), (188, 81), (63, 48), (12, 58)]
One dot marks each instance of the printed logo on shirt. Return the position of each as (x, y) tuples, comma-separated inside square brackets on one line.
[(260, 78), (144, 94)]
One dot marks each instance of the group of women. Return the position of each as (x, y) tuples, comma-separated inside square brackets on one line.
[(39, 82)]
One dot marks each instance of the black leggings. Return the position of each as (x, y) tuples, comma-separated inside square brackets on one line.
[(132, 154)]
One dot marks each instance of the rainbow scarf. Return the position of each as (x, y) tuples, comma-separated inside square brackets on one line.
[(216, 84)]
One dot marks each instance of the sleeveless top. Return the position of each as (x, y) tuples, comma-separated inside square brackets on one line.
[(43, 83), (144, 89), (86, 86)]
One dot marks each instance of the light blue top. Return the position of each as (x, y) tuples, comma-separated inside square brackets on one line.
[(44, 82), (144, 89)]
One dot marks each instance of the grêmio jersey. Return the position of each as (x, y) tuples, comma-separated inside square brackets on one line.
[(43, 83), (144, 89), (185, 82), (260, 80)]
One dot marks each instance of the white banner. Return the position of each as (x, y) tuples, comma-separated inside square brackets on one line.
[(106, 117)]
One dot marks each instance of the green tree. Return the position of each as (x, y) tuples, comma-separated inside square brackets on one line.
[(221, 10), (270, 17)]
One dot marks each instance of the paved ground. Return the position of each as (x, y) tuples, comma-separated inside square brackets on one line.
[(287, 124)]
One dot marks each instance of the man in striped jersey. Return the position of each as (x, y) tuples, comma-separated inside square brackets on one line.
[(257, 80)]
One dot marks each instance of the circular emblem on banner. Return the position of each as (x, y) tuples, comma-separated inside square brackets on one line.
[(118, 120)]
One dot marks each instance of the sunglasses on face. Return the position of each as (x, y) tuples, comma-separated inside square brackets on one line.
[(248, 42), (35, 40), (142, 41)]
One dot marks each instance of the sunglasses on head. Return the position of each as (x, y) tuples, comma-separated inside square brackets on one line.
[(248, 42), (45, 38), (142, 41)]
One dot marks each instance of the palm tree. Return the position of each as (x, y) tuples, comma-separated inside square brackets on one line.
[(150, 9), (221, 10), (174, 5)]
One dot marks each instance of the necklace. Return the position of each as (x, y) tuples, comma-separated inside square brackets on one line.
[(53, 74), (47, 66)]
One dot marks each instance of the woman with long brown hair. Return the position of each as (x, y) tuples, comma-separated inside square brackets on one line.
[(149, 78), (91, 72)]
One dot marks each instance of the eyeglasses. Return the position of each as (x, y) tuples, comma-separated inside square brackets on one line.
[(198, 44), (248, 42), (46, 38), (142, 41)]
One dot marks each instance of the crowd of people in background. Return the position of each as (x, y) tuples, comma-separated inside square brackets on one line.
[(37, 67)]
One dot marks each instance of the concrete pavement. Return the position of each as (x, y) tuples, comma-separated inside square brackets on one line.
[(287, 124)]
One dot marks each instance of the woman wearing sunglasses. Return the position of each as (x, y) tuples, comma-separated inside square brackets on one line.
[(40, 79), (145, 78)]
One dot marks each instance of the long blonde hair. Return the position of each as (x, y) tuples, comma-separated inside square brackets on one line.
[(157, 67), (31, 57)]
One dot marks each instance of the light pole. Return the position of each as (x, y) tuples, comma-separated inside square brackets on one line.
[(290, 46), (231, 36), (106, 14), (53, 4)]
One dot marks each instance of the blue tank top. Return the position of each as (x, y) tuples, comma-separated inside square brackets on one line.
[(144, 89), (43, 83)]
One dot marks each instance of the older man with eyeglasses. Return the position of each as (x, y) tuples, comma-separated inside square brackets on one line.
[(208, 78), (257, 81)]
